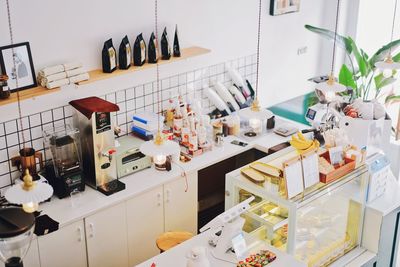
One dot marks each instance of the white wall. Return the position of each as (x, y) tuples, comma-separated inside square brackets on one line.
[(374, 30), (74, 30)]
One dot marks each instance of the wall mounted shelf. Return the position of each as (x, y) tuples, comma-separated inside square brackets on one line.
[(28, 94), (98, 75)]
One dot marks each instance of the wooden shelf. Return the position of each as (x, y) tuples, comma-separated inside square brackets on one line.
[(98, 75), (28, 94)]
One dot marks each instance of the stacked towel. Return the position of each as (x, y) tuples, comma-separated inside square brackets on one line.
[(59, 75)]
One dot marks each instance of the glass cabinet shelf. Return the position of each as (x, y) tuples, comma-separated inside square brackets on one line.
[(317, 227)]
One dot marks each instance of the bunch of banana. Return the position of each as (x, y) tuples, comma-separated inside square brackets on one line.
[(302, 144)]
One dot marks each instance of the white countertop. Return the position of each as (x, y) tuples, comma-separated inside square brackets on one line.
[(177, 256), (92, 201)]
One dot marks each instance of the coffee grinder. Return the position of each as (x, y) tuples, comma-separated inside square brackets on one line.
[(95, 123), (64, 172)]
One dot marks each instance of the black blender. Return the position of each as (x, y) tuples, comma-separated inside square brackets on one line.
[(64, 172)]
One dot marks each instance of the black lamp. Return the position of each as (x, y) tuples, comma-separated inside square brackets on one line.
[(16, 232)]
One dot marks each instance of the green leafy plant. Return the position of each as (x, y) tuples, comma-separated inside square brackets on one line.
[(360, 73)]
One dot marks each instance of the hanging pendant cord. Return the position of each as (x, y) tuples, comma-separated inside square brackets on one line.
[(16, 74), (334, 41), (393, 25), (258, 44), (157, 66)]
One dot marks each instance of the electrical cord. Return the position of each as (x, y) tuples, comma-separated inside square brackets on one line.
[(184, 175)]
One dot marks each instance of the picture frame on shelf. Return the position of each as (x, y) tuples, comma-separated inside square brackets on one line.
[(282, 7), (23, 66)]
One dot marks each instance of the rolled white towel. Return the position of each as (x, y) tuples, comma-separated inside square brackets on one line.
[(79, 78), (39, 79), (58, 83), (42, 82), (55, 77), (59, 68), (71, 66), (75, 72), (51, 70)]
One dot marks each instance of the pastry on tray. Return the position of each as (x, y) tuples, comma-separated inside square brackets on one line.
[(266, 169), (261, 259), (253, 175)]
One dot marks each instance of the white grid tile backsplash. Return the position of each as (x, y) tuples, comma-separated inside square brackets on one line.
[(130, 100)]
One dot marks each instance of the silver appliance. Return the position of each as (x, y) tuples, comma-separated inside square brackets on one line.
[(93, 117), (129, 158)]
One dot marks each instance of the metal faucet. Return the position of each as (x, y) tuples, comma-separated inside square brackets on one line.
[(108, 154)]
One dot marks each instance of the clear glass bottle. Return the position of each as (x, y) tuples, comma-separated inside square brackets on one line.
[(4, 89), (178, 122)]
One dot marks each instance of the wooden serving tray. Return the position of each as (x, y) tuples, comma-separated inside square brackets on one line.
[(339, 172)]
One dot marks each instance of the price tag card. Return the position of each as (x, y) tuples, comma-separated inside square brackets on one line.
[(293, 174), (310, 169)]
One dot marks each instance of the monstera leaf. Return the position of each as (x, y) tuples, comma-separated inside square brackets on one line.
[(342, 41)]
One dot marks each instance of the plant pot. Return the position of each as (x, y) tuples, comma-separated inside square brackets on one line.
[(373, 135)]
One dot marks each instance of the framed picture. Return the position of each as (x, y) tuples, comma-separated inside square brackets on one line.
[(23, 68), (281, 7)]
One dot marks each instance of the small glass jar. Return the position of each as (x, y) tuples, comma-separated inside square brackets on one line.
[(217, 129), (4, 89)]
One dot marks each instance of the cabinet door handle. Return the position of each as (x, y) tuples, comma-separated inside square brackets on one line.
[(91, 230), (80, 237), (168, 196), (159, 199)]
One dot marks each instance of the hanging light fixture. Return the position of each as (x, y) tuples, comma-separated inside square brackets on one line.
[(388, 65), (331, 87), (255, 115), (159, 148), (29, 193)]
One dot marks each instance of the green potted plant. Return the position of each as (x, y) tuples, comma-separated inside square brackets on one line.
[(360, 73), (366, 80)]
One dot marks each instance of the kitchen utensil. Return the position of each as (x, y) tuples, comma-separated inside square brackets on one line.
[(217, 101), (226, 96), (27, 160)]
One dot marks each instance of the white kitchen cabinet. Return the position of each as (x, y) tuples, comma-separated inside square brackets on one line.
[(180, 207), (165, 208), (145, 217), (106, 237), (64, 248)]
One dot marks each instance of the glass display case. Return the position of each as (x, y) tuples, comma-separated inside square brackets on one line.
[(317, 227)]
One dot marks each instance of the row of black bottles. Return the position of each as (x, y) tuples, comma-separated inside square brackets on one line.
[(109, 54)]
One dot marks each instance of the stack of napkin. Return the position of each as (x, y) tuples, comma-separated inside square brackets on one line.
[(59, 75)]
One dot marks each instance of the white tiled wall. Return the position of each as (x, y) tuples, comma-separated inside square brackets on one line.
[(130, 100)]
